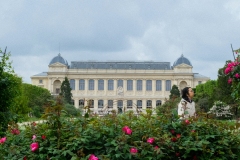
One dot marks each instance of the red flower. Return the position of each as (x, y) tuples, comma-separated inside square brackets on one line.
[(193, 131), (174, 139), (172, 131), (34, 123), (133, 151), (177, 154), (150, 140), (93, 157), (24, 158), (127, 130), (178, 135), (156, 147), (2, 140), (15, 131), (195, 158), (187, 122), (34, 146), (43, 137), (229, 80)]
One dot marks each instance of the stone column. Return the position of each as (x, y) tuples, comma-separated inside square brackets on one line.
[(144, 86), (95, 86), (86, 86), (134, 105), (144, 105), (76, 103), (124, 86), (115, 86), (95, 109), (154, 103), (105, 89), (154, 86), (76, 85), (134, 87)]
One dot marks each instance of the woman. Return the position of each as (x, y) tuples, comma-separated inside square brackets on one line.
[(186, 107)]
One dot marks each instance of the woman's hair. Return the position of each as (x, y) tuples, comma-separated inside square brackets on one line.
[(185, 92)]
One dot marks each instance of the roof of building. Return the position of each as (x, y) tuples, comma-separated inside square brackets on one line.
[(120, 65), (41, 74), (197, 75), (182, 60), (58, 59)]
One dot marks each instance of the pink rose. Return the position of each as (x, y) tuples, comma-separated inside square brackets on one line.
[(156, 147), (2, 140), (227, 70), (187, 122), (34, 146), (150, 140), (15, 131), (127, 130), (229, 80), (237, 75), (193, 131), (93, 157), (34, 137), (133, 151)]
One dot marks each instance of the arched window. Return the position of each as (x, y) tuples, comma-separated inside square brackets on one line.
[(158, 103), (149, 104), (100, 103), (81, 103), (91, 103), (129, 104), (110, 103), (72, 84), (91, 84), (139, 103)]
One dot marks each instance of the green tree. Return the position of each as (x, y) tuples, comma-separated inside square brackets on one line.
[(66, 91), (37, 97), (174, 92), (9, 90)]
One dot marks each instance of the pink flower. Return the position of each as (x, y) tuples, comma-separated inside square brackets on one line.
[(133, 151), (34, 137), (93, 157), (229, 80), (193, 131), (150, 140), (156, 147), (237, 75), (178, 135), (34, 146), (174, 139), (2, 140), (187, 122), (227, 70), (127, 130), (43, 137), (15, 131), (172, 131)]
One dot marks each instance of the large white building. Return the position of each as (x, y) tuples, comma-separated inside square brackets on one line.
[(116, 84)]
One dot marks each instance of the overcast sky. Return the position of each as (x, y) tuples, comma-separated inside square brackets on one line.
[(105, 30)]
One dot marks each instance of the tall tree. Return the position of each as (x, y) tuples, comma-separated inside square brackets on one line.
[(66, 91), (174, 92), (9, 90)]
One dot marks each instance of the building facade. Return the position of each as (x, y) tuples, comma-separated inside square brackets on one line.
[(121, 86)]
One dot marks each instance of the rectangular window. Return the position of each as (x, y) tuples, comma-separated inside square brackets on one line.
[(129, 85), (158, 85), (149, 85), (120, 83), (139, 85), (110, 103), (149, 104), (91, 103), (199, 82), (81, 103), (100, 84), (72, 84), (81, 84), (129, 103), (139, 103), (168, 85), (91, 84), (110, 85), (40, 81)]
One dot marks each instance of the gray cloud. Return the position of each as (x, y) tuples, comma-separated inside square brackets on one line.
[(119, 30)]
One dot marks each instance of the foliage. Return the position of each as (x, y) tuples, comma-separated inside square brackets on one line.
[(37, 97), (66, 91), (123, 136), (174, 92), (9, 90), (70, 109)]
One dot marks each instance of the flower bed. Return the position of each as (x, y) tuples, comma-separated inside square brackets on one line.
[(123, 137)]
